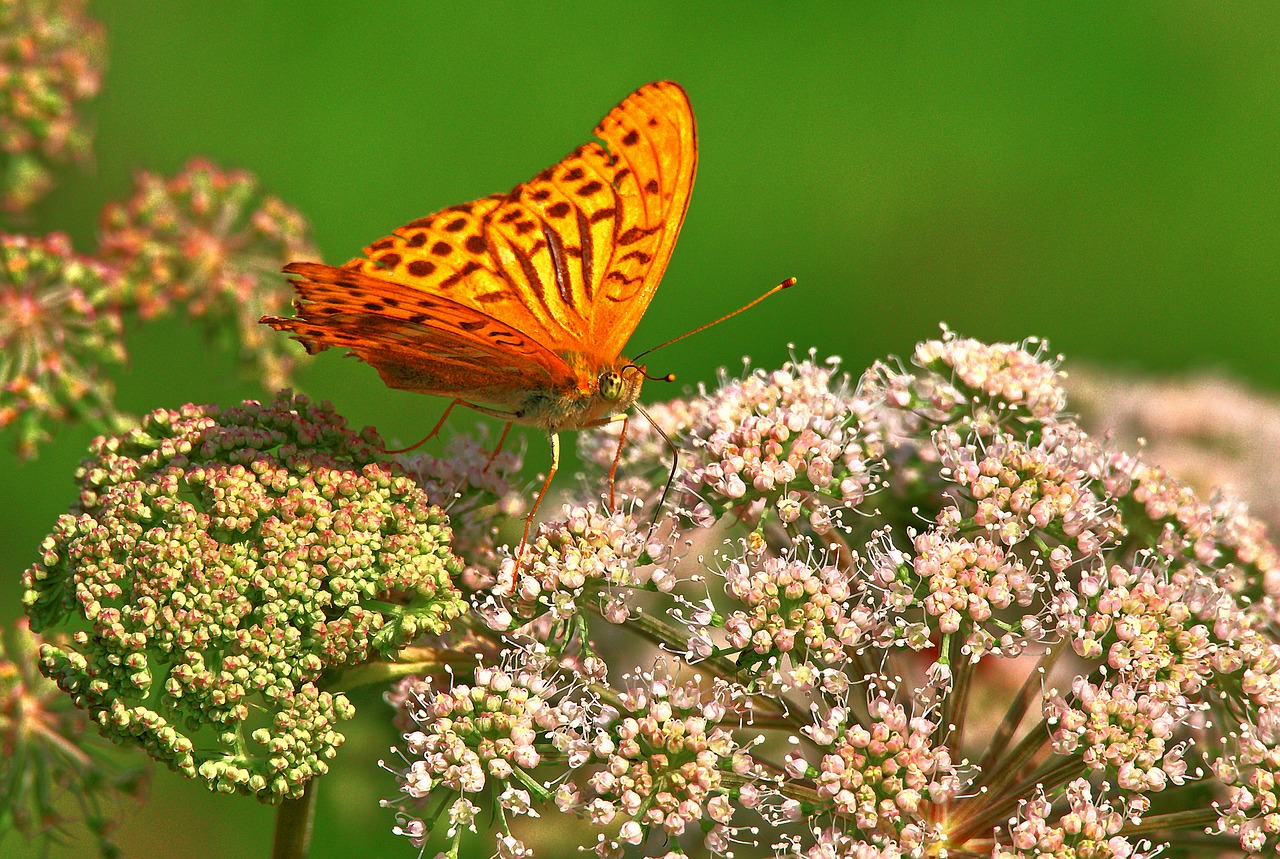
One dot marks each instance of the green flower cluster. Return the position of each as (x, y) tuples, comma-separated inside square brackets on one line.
[(219, 568), (51, 57), (59, 325)]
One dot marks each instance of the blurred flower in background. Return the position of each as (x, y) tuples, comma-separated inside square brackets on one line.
[(1207, 430), (212, 242), (51, 58), (51, 757), (59, 328)]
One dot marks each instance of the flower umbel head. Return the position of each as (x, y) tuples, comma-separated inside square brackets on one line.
[(929, 617), (479, 742), (794, 608), (52, 55), (579, 560), (59, 326), (212, 242), (219, 564), (49, 752), (922, 616), (795, 428), (657, 758)]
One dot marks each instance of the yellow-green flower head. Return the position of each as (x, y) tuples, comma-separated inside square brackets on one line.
[(218, 566)]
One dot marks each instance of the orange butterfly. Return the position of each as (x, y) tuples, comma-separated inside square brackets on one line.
[(518, 305)]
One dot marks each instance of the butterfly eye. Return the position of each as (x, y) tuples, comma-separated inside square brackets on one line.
[(611, 386)]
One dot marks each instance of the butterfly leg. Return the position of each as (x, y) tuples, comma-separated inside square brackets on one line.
[(498, 447), (528, 522), (434, 430), (617, 457)]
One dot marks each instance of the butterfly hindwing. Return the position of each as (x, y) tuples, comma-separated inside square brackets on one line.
[(418, 341)]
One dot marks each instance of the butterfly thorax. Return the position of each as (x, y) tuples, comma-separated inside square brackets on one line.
[(604, 389)]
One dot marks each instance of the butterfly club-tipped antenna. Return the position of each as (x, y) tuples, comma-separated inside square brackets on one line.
[(786, 284)]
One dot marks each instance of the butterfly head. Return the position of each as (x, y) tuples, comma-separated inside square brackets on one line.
[(612, 387), (604, 388), (619, 386)]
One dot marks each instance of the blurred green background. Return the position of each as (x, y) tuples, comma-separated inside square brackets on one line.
[(1102, 175)]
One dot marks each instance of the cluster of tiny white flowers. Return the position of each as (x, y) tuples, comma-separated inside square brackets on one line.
[(586, 552), (1004, 371), (474, 739), (881, 771), (791, 435), (900, 600), (658, 759), (1091, 830)]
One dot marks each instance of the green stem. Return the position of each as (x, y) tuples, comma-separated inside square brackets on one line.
[(996, 777), (1018, 708), (760, 722), (999, 807), (539, 791), (668, 637), (956, 705), (1178, 821), (293, 825), (411, 660)]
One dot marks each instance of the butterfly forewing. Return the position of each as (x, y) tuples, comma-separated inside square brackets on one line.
[(573, 256), (386, 324), (653, 139), (486, 300), (446, 254)]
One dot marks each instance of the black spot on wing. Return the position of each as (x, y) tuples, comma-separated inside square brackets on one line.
[(635, 234), (421, 267)]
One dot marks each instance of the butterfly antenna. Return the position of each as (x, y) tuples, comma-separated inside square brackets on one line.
[(670, 377), (791, 281)]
